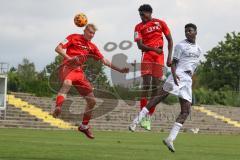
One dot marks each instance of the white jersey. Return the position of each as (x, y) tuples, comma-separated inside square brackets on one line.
[(188, 56)]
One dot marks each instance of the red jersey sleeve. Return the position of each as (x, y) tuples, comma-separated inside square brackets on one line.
[(165, 28), (137, 33), (66, 42), (95, 53)]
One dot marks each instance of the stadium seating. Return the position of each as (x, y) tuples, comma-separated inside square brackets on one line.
[(117, 115)]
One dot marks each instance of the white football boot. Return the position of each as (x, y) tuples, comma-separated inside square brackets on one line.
[(132, 127), (169, 144)]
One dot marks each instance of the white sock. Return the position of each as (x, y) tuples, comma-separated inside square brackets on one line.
[(174, 131), (141, 115)]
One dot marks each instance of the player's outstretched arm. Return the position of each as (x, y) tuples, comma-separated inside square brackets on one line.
[(170, 48), (109, 64), (146, 48)]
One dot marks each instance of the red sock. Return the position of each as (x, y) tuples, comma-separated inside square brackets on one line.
[(151, 111), (86, 119), (59, 101), (143, 102)]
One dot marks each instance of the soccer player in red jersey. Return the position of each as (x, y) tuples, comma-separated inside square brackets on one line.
[(76, 49), (149, 37)]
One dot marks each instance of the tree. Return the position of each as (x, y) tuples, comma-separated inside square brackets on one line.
[(13, 80), (52, 67), (221, 70), (26, 71), (94, 71)]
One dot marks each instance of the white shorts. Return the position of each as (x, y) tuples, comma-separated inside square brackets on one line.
[(184, 90)]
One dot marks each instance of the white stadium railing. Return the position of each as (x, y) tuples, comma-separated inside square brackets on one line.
[(3, 89)]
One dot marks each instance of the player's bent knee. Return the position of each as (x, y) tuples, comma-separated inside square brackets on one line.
[(91, 102), (185, 114), (67, 83)]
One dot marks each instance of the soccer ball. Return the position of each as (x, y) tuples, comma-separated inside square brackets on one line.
[(80, 20)]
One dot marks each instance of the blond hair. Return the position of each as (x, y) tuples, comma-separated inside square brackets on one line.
[(93, 26)]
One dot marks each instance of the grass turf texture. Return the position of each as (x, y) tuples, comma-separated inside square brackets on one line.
[(26, 144)]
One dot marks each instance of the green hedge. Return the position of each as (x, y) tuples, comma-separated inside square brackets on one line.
[(208, 96)]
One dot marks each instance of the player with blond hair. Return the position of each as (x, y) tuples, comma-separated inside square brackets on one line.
[(76, 49)]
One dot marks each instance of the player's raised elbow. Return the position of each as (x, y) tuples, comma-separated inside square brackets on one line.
[(58, 48)]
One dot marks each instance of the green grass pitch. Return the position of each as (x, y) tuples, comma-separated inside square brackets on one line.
[(27, 144)]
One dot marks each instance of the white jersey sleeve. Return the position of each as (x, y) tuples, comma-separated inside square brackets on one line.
[(177, 52)]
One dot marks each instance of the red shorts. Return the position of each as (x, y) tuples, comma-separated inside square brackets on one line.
[(152, 64), (79, 81)]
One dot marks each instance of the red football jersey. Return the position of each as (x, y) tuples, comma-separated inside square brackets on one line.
[(151, 32), (77, 45)]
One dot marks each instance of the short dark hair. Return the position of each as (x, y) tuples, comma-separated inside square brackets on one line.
[(145, 8), (191, 25)]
